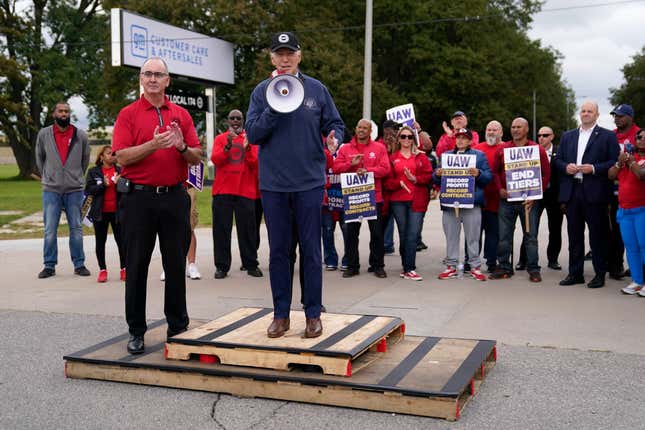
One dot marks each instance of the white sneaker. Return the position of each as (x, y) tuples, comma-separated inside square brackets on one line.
[(632, 289), (642, 292), (412, 275), (162, 277), (193, 272)]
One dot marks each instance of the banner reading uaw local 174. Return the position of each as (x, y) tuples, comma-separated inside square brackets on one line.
[(359, 196), (334, 194), (457, 185), (523, 173)]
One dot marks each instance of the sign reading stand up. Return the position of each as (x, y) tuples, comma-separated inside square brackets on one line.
[(136, 38)]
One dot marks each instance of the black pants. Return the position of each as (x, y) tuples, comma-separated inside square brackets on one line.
[(258, 221), (579, 212), (616, 247), (376, 242), (554, 218), (100, 232), (224, 206), (144, 216)]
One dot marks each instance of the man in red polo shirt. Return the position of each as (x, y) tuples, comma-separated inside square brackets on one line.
[(155, 141)]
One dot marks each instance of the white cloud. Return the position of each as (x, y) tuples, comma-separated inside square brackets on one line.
[(596, 42)]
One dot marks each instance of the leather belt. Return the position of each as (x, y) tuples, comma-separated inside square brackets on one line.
[(578, 180), (158, 189)]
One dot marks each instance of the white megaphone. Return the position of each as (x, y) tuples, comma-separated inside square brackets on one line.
[(285, 93)]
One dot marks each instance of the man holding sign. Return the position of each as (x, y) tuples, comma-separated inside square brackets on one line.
[(522, 170), (362, 155), (463, 175)]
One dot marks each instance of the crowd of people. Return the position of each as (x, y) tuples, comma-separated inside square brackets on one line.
[(280, 166)]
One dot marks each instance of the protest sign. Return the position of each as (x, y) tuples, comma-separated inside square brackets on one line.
[(523, 173), (457, 185), (403, 114), (359, 196), (334, 194), (196, 175)]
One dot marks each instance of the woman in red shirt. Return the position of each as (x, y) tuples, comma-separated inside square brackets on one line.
[(408, 182), (101, 185), (630, 171)]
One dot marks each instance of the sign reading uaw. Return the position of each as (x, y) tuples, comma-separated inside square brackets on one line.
[(136, 38)]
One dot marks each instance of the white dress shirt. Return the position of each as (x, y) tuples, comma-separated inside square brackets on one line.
[(583, 140)]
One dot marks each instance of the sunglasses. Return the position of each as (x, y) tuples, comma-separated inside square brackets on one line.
[(235, 118), (406, 136), (640, 136), (544, 135)]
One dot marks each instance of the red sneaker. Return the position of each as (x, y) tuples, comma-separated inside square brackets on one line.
[(449, 273), (102, 276), (412, 275), (477, 274), (123, 274)]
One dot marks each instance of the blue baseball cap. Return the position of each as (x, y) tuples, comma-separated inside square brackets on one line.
[(623, 110)]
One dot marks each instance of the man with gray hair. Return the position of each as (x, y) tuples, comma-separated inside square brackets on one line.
[(490, 221), (155, 141)]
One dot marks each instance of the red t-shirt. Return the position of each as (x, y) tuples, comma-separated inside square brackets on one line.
[(631, 191), (491, 192), (236, 169), (628, 136), (63, 140), (109, 195), (136, 124)]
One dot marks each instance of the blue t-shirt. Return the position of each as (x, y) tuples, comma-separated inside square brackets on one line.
[(292, 156)]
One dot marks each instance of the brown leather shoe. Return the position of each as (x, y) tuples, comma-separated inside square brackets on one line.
[(314, 327), (278, 327)]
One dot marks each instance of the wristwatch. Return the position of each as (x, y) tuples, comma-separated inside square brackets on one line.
[(181, 151)]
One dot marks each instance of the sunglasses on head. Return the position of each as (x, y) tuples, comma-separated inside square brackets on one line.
[(235, 118), (544, 135), (406, 136)]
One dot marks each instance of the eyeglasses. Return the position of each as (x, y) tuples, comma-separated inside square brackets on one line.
[(235, 118), (640, 136), (544, 135), (406, 136), (157, 75)]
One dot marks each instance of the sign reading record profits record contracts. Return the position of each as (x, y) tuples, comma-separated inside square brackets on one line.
[(136, 38)]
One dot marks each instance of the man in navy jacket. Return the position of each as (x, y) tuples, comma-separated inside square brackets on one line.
[(292, 180), (585, 156)]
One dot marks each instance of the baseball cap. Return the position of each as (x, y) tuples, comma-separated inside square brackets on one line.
[(623, 110), (388, 123), (285, 39), (464, 132), (458, 113)]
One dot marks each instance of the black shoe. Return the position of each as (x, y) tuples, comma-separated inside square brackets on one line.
[(588, 256), (242, 268), (171, 333), (370, 269), (46, 273), (256, 273), (350, 273), (597, 282), (572, 280), (617, 275), (491, 268), (554, 265), (521, 265), (380, 273), (466, 267), (220, 274), (82, 271), (135, 345), (421, 246)]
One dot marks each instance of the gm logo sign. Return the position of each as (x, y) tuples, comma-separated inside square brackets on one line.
[(139, 38)]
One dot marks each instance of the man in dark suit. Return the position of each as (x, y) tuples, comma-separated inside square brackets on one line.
[(550, 202), (585, 156)]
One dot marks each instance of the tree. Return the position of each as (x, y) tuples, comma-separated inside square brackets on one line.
[(632, 91)]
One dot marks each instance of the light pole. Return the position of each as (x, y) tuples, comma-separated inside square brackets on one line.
[(367, 63)]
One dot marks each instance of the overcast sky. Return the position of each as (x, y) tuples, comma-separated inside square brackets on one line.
[(596, 43)]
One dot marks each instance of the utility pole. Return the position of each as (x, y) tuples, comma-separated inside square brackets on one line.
[(367, 63), (534, 117)]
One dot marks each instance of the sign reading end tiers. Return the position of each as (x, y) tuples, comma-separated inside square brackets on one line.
[(136, 38)]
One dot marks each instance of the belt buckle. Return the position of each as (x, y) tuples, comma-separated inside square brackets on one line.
[(161, 190)]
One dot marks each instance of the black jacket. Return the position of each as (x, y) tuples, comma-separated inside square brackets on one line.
[(95, 187)]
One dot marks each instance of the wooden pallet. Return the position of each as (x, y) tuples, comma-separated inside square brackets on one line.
[(425, 376), (348, 343)]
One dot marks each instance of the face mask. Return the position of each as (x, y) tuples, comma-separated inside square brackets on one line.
[(491, 140), (62, 122)]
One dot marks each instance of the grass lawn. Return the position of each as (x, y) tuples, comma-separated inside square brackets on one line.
[(25, 197)]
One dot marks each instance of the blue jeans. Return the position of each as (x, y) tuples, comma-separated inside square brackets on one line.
[(330, 256), (490, 229), (408, 223), (508, 214), (53, 203), (388, 235), (632, 227)]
